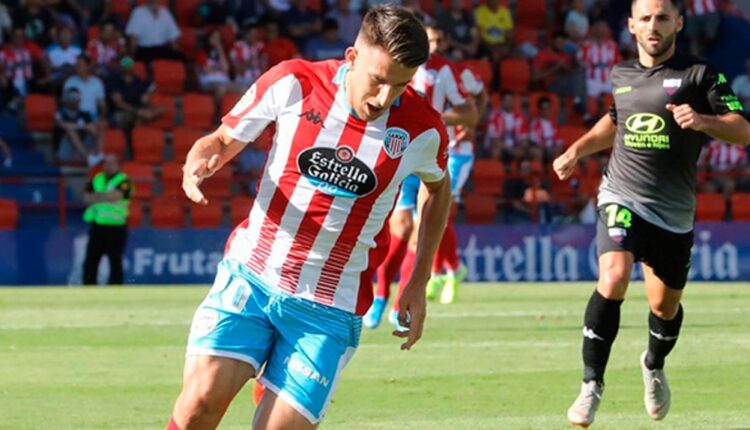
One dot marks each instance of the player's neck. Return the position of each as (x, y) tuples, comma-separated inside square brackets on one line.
[(650, 61)]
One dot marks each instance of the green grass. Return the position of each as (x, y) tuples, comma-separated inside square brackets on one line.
[(504, 357)]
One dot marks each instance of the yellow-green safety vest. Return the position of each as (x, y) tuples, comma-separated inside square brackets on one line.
[(108, 213)]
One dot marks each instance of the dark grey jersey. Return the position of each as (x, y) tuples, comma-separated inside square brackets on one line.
[(653, 165)]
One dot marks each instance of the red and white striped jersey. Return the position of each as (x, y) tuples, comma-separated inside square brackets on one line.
[(599, 59), (17, 63), (104, 54), (544, 133), (438, 80), (472, 85), (510, 127), (700, 7), (316, 229), (252, 59), (723, 157)]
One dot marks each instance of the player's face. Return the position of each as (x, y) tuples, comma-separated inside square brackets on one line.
[(374, 80), (436, 39), (655, 24)]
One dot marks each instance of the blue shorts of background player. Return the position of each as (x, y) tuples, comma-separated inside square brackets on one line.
[(459, 167), (303, 345), (407, 197)]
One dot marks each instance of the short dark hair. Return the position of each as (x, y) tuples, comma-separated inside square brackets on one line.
[(544, 100), (676, 3), (398, 32)]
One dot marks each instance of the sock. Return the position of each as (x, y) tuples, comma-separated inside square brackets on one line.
[(258, 391), (389, 267), (662, 338), (172, 425), (601, 322), (449, 249), (406, 269)]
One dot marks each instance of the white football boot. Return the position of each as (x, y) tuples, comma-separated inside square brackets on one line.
[(581, 413), (656, 395)]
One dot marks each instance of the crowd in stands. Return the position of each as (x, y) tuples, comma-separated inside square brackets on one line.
[(144, 78)]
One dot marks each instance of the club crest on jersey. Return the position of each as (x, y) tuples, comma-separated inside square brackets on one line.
[(672, 85), (337, 171), (395, 142)]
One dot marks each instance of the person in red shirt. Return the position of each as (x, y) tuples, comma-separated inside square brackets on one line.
[(278, 48), (105, 50)]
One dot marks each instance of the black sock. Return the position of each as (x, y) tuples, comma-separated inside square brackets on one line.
[(601, 322), (661, 338)]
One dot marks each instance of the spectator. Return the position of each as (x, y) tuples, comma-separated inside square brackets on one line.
[(278, 48), (71, 13), (495, 24), (328, 45), (538, 201), (349, 20), (244, 12), (599, 54), (301, 22), (507, 134), (556, 70), (213, 66), (577, 22), (153, 32), (514, 190), (90, 88), (76, 133), (7, 154), (248, 57), (458, 23), (701, 24), (17, 57), (10, 98), (36, 21), (105, 50), (212, 12), (546, 145), (6, 23), (741, 87), (130, 98), (722, 165), (62, 56)]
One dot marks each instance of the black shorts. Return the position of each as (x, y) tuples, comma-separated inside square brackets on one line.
[(667, 253)]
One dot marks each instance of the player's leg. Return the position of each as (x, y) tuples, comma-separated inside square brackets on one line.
[(459, 168), (94, 251), (275, 413)]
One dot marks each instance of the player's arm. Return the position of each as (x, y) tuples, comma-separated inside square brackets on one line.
[(731, 128), (599, 138), (465, 114), (434, 205)]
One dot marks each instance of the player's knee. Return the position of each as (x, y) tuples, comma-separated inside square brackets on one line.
[(664, 309), (613, 282), (402, 225), (199, 402)]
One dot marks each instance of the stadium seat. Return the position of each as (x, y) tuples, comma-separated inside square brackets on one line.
[(534, 100), (468, 4), (171, 179), (40, 112), (8, 214), (185, 12), (219, 185), (114, 142), (92, 32), (427, 6), (135, 213), (240, 208), (315, 6), (228, 101), (121, 9), (198, 110), (148, 145), (515, 74), (488, 176), (479, 209), (142, 176), (182, 140), (522, 34), (164, 3), (570, 133), (208, 216), (483, 68), (169, 76), (711, 207), (167, 212), (140, 70), (531, 13), (166, 120), (188, 43), (741, 206)]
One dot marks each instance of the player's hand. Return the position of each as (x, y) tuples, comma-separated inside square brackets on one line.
[(686, 117), (413, 309), (564, 165), (193, 174)]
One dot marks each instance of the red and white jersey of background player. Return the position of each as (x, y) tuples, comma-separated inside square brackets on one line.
[(472, 85), (438, 80), (331, 180)]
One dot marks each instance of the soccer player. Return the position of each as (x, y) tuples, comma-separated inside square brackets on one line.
[(438, 81), (665, 103), (298, 273)]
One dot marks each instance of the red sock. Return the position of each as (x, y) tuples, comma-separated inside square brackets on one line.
[(449, 249), (172, 425), (258, 391), (389, 267), (407, 267)]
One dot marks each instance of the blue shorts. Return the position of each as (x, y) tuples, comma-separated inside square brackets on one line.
[(303, 345), (407, 197), (459, 167)]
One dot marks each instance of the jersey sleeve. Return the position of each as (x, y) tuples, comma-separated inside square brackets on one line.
[(260, 105), (471, 83), (721, 99), (447, 79), (435, 156)]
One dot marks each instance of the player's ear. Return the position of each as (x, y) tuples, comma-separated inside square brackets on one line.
[(631, 25), (350, 55), (680, 23)]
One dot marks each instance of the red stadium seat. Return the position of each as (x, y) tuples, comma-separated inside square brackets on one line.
[(219, 185), (185, 12), (240, 208), (228, 101), (198, 110), (8, 214), (487, 177), (188, 43), (182, 140), (208, 216), (40, 112), (135, 213), (570, 133), (479, 209), (166, 120), (468, 4), (515, 75), (483, 68), (140, 70), (167, 212), (169, 76), (741, 206), (711, 207), (171, 179), (148, 145), (122, 9), (142, 177), (523, 34), (114, 142), (531, 13)]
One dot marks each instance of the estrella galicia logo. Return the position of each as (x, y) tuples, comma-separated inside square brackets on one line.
[(337, 171), (313, 116), (395, 142), (645, 123)]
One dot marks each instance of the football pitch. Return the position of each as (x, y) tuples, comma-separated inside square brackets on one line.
[(506, 356)]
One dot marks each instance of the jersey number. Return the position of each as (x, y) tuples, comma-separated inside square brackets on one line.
[(621, 216)]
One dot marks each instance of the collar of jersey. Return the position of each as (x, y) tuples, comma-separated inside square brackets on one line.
[(338, 79)]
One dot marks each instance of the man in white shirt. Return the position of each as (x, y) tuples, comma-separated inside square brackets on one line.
[(92, 100), (153, 32), (61, 58)]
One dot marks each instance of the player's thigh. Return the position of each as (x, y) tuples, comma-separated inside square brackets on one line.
[(617, 238), (666, 258), (211, 382), (273, 413), (663, 300)]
